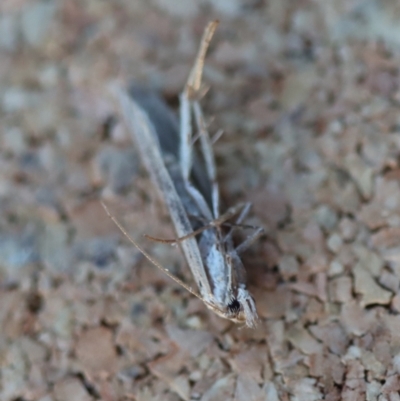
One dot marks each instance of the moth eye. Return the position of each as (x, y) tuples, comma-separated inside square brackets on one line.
[(234, 306)]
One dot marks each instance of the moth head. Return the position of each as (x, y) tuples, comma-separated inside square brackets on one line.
[(240, 309), (235, 312), (234, 306)]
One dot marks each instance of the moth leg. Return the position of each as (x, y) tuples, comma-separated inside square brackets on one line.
[(249, 240), (185, 133), (217, 135), (214, 223), (189, 101), (230, 283), (232, 211), (186, 154), (208, 155), (242, 216), (191, 90), (244, 213)]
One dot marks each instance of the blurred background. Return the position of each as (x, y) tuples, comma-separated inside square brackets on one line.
[(307, 94)]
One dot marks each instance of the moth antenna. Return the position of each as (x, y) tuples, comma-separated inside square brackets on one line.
[(212, 224), (216, 136), (147, 256), (180, 239)]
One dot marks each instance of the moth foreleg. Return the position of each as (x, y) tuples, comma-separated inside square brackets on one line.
[(214, 223), (208, 156), (192, 88), (250, 240), (185, 133), (245, 211)]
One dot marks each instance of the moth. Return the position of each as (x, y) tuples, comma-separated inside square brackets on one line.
[(186, 179)]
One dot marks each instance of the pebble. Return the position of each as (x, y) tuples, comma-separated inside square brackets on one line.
[(334, 243), (36, 20), (364, 284), (348, 229), (335, 268), (326, 217), (118, 167), (9, 30), (288, 266)]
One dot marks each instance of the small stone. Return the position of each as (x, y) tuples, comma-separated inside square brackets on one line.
[(326, 217), (332, 336), (71, 389), (95, 351), (49, 76), (55, 236), (371, 214), (117, 166), (340, 289), (396, 363), (392, 384), (46, 398), (302, 339), (180, 384), (16, 99), (17, 251), (334, 243), (396, 303), (386, 238), (288, 266), (297, 86), (364, 284), (389, 281), (271, 394), (355, 319), (229, 8), (9, 31), (316, 263), (251, 362), (194, 322), (361, 173), (373, 389), (376, 368), (348, 229), (33, 350), (353, 352), (180, 8), (221, 389), (13, 141), (194, 342), (335, 268), (131, 373), (36, 20), (247, 388), (369, 260), (307, 389), (346, 256)]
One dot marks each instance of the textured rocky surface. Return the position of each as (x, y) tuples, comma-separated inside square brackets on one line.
[(308, 95)]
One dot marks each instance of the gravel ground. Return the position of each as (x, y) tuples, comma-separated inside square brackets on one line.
[(308, 95)]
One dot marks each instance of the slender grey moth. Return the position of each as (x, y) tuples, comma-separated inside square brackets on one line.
[(185, 177)]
